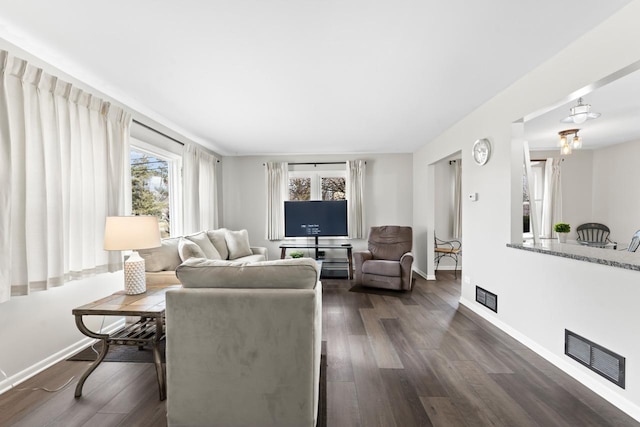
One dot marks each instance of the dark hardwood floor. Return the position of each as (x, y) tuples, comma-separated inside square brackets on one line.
[(400, 360)]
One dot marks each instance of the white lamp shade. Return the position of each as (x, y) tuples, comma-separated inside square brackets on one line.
[(123, 233)]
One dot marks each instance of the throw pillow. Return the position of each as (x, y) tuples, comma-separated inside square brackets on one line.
[(237, 243), (201, 239), (188, 249), (163, 258), (217, 238)]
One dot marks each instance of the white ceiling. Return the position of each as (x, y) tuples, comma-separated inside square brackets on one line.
[(619, 105), (301, 76)]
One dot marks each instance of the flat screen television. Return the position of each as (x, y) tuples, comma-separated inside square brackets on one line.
[(315, 218)]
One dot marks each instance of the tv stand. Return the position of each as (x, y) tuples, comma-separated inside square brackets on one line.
[(316, 246)]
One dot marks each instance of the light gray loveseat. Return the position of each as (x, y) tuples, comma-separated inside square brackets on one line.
[(221, 244), (243, 344)]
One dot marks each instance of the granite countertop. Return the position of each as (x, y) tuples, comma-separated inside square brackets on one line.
[(574, 250)]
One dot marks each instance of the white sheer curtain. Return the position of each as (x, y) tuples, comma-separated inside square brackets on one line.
[(457, 199), (552, 196), (356, 171), (277, 179), (200, 193), (63, 158)]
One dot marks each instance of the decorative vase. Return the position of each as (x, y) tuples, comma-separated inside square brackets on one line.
[(562, 237)]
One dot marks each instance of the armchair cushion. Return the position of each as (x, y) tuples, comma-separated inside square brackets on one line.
[(390, 242), (382, 267)]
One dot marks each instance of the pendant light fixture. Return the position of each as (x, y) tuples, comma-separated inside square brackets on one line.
[(580, 113), (566, 145)]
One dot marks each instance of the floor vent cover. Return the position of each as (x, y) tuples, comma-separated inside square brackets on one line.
[(595, 357), (486, 298)]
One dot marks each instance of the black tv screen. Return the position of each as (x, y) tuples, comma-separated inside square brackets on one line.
[(312, 218)]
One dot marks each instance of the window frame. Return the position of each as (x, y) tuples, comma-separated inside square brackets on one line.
[(316, 180), (174, 163)]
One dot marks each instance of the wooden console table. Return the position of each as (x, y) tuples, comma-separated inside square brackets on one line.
[(347, 247), (149, 330)]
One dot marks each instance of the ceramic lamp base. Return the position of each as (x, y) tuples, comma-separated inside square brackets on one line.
[(134, 275)]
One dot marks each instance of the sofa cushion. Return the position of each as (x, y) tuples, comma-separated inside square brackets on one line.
[(219, 242), (237, 243), (202, 239), (188, 249), (301, 273), (163, 258)]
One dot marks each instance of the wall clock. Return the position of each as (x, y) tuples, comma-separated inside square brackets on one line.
[(481, 151)]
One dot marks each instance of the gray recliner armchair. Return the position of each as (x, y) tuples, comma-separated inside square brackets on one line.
[(387, 263)]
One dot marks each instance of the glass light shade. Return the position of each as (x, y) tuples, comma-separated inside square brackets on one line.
[(576, 143), (566, 149), (580, 118), (563, 141), (123, 233)]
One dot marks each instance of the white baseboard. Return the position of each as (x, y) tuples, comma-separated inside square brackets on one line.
[(574, 371), (12, 381)]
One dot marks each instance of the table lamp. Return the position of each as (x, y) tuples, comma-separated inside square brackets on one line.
[(122, 233)]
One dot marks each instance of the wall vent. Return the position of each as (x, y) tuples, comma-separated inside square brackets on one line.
[(486, 298), (595, 357)]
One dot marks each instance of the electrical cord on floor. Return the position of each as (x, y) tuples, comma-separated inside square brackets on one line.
[(48, 390), (63, 385)]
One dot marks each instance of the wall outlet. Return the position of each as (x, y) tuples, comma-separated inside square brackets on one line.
[(466, 280)]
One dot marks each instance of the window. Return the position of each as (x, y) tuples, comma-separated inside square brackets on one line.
[(317, 185), (155, 187)]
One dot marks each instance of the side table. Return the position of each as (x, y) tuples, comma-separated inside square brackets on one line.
[(149, 330)]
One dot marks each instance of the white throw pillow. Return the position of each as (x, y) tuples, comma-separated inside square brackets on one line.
[(217, 238), (201, 239), (188, 249), (163, 258), (237, 243)]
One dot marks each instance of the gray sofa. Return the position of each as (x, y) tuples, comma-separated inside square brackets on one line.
[(243, 344), (221, 244)]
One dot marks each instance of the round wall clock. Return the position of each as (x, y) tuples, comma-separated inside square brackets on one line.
[(481, 151)]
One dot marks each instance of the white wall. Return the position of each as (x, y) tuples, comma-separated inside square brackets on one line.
[(615, 190), (539, 295), (388, 193), (38, 330)]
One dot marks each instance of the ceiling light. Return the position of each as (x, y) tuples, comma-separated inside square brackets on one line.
[(577, 142), (566, 146), (580, 113)]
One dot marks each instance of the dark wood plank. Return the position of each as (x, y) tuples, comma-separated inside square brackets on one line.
[(442, 412), (407, 408), (374, 405), (342, 397)]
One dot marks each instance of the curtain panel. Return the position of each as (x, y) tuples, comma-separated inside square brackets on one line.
[(356, 171), (277, 179), (200, 193), (63, 153), (457, 200), (551, 197)]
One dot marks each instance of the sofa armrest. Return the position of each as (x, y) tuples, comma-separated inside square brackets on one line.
[(257, 250), (358, 259), (406, 262)]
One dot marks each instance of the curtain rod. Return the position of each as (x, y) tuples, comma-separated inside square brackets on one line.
[(158, 132), (316, 163)]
